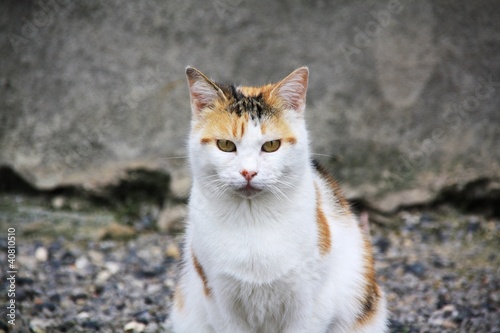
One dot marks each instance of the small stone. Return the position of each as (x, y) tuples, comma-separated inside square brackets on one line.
[(38, 325), (96, 257), (83, 315), (444, 299), (169, 283), (143, 317), (134, 326), (417, 269), (82, 263), (79, 298), (449, 324), (173, 251), (91, 324), (40, 306), (153, 328), (383, 244), (68, 258), (66, 326), (171, 219), (41, 254), (150, 272), (118, 232), (58, 202), (473, 225), (113, 267), (154, 288), (102, 277), (445, 317), (180, 186), (24, 281)]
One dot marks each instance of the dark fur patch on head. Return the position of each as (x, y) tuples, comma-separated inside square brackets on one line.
[(255, 106)]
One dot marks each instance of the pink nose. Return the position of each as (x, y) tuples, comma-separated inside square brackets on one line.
[(248, 174)]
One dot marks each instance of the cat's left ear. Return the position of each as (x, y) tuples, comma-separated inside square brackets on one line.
[(203, 91), (292, 89)]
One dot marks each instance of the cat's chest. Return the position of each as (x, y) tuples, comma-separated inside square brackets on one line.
[(267, 305), (256, 247), (258, 304)]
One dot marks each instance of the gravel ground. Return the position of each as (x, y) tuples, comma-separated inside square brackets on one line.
[(440, 271)]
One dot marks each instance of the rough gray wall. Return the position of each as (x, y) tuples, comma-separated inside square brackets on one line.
[(404, 95)]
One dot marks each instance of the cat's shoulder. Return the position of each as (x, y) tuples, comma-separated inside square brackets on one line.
[(332, 185)]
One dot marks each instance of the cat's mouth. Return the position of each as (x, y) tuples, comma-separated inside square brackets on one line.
[(248, 191)]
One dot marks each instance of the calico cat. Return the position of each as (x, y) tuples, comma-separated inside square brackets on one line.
[(271, 245)]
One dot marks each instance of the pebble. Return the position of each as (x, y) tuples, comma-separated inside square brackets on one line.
[(79, 297), (117, 231), (91, 324), (82, 263), (68, 258), (97, 258), (83, 315), (173, 251), (143, 316), (474, 224), (58, 202), (113, 267), (154, 288), (41, 254), (383, 244), (134, 326), (38, 325), (102, 277), (172, 219), (417, 269), (179, 186), (445, 317)]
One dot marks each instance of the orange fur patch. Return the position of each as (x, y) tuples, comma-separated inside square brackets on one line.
[(205, 141), (220, 124), (279, 128), (256, 91), (335, 188), (217, 122), (263, 128), (203, 277), (325, 241), (372, 292)]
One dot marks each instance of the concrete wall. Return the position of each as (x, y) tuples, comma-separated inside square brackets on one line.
[(404, 95)]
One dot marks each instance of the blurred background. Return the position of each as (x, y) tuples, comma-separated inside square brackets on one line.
[(403, 109)]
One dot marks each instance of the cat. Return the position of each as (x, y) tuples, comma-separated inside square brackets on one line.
[(271, 245)]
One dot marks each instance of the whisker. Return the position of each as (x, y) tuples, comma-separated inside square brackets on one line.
[(280, 195), (326, 155)]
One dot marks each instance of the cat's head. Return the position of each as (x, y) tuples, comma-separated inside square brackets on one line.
[(247, 141)]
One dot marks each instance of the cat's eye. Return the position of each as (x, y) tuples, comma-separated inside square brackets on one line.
[(271, 146), (226, 146)]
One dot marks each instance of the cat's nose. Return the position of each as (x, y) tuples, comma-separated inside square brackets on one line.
[(248, 174)]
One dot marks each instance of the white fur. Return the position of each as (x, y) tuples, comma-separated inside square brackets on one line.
[(260, 254)]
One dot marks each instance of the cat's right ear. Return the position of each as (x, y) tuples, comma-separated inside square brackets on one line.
[(203, 92)]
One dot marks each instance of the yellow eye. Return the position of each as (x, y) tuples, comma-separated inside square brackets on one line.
[(271, 146), (226, 146)]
